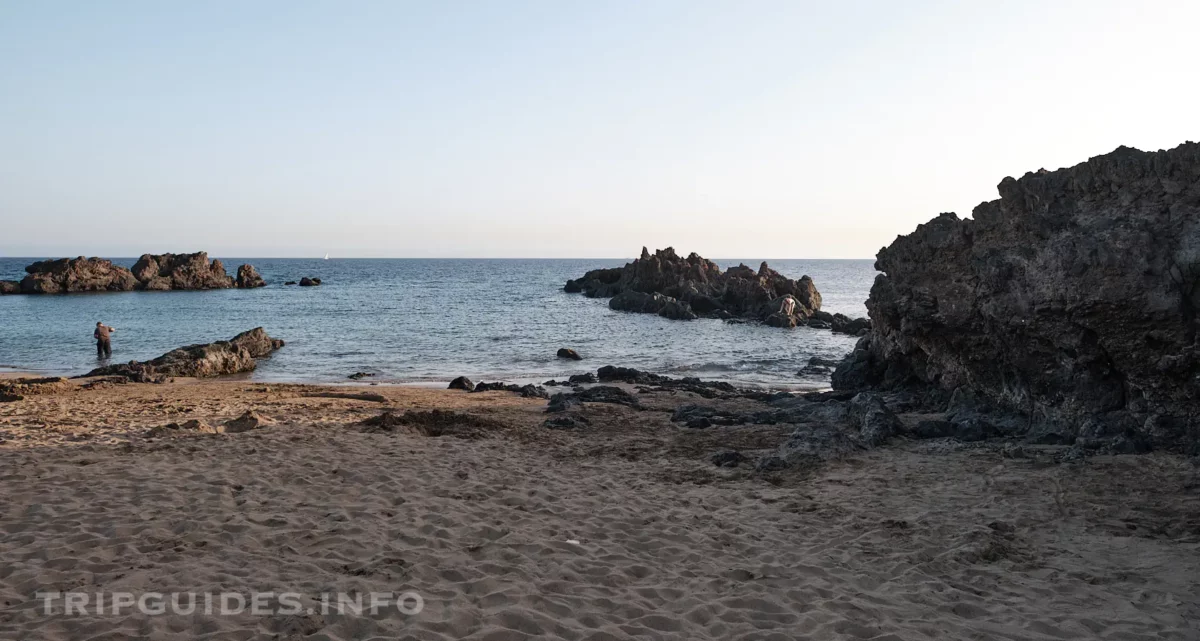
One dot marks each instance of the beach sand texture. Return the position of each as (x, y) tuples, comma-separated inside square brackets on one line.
[(621, 531)]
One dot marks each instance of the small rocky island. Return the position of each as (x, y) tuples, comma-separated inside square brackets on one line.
[(688, 288), (152, 272)]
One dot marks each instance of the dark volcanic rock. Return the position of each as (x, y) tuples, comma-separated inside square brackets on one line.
[(309, 282), (152, 272), (249, 278), (876, 423), (10, 287), (628, 375), (684, 288), (564, 352), (527, 391), (165, 272), (1071, 298), (566, 422), (582, 378), (562, 402), (68, 275), (236, 355), (818, 366), (665, 306), (463, 383)]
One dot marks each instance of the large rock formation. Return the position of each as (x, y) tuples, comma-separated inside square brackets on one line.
[(165, 272), (1072, 300), (152, 272), (81, 274), (684, 288), (236, 355)]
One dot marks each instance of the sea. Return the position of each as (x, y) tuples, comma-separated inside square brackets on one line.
[(426, 321)]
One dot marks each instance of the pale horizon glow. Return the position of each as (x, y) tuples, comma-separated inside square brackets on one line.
[(790, 129)]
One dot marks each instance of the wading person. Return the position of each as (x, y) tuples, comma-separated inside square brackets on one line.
[(103, 340)]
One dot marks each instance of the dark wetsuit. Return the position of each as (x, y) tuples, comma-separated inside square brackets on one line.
[(103, 342)]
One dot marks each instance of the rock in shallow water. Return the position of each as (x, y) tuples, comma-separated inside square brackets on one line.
[(685, 288), (238, 354)]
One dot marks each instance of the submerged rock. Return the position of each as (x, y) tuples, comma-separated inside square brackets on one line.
[(685, 288), (238, 354), (1071, 299)]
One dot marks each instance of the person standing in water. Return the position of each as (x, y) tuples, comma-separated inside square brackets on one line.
[(103, 342)]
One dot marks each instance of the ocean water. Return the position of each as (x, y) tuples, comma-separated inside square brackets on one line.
[(427, 321)]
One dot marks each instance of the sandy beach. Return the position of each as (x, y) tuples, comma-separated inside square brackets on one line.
[(625, 530)]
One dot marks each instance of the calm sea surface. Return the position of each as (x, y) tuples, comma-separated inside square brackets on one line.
[(416, 320)]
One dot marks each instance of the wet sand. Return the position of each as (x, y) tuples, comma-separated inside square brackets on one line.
[(622, 530)]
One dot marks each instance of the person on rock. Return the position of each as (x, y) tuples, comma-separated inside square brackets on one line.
[(789, 306), (103, 340)]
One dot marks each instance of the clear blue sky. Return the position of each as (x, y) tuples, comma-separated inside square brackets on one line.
[(587, 128)]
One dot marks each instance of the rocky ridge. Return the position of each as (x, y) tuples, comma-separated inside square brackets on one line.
[(151, 272), (678, 288), (233, 356)]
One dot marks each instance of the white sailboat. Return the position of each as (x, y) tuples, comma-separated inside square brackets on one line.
[(326, 256)]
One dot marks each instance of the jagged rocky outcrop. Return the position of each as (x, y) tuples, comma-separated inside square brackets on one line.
[(686, 288), (166, 272), (233, 356), (1071, 303), (249, 278), (151, 272), (69, 275)]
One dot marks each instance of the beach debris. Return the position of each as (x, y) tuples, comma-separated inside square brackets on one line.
[(463, 383), (565, 352), (236, 355)]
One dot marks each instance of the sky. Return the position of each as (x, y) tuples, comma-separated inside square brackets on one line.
[(739, 128)]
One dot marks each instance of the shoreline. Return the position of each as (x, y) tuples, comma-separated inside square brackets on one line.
[(620, 528)]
